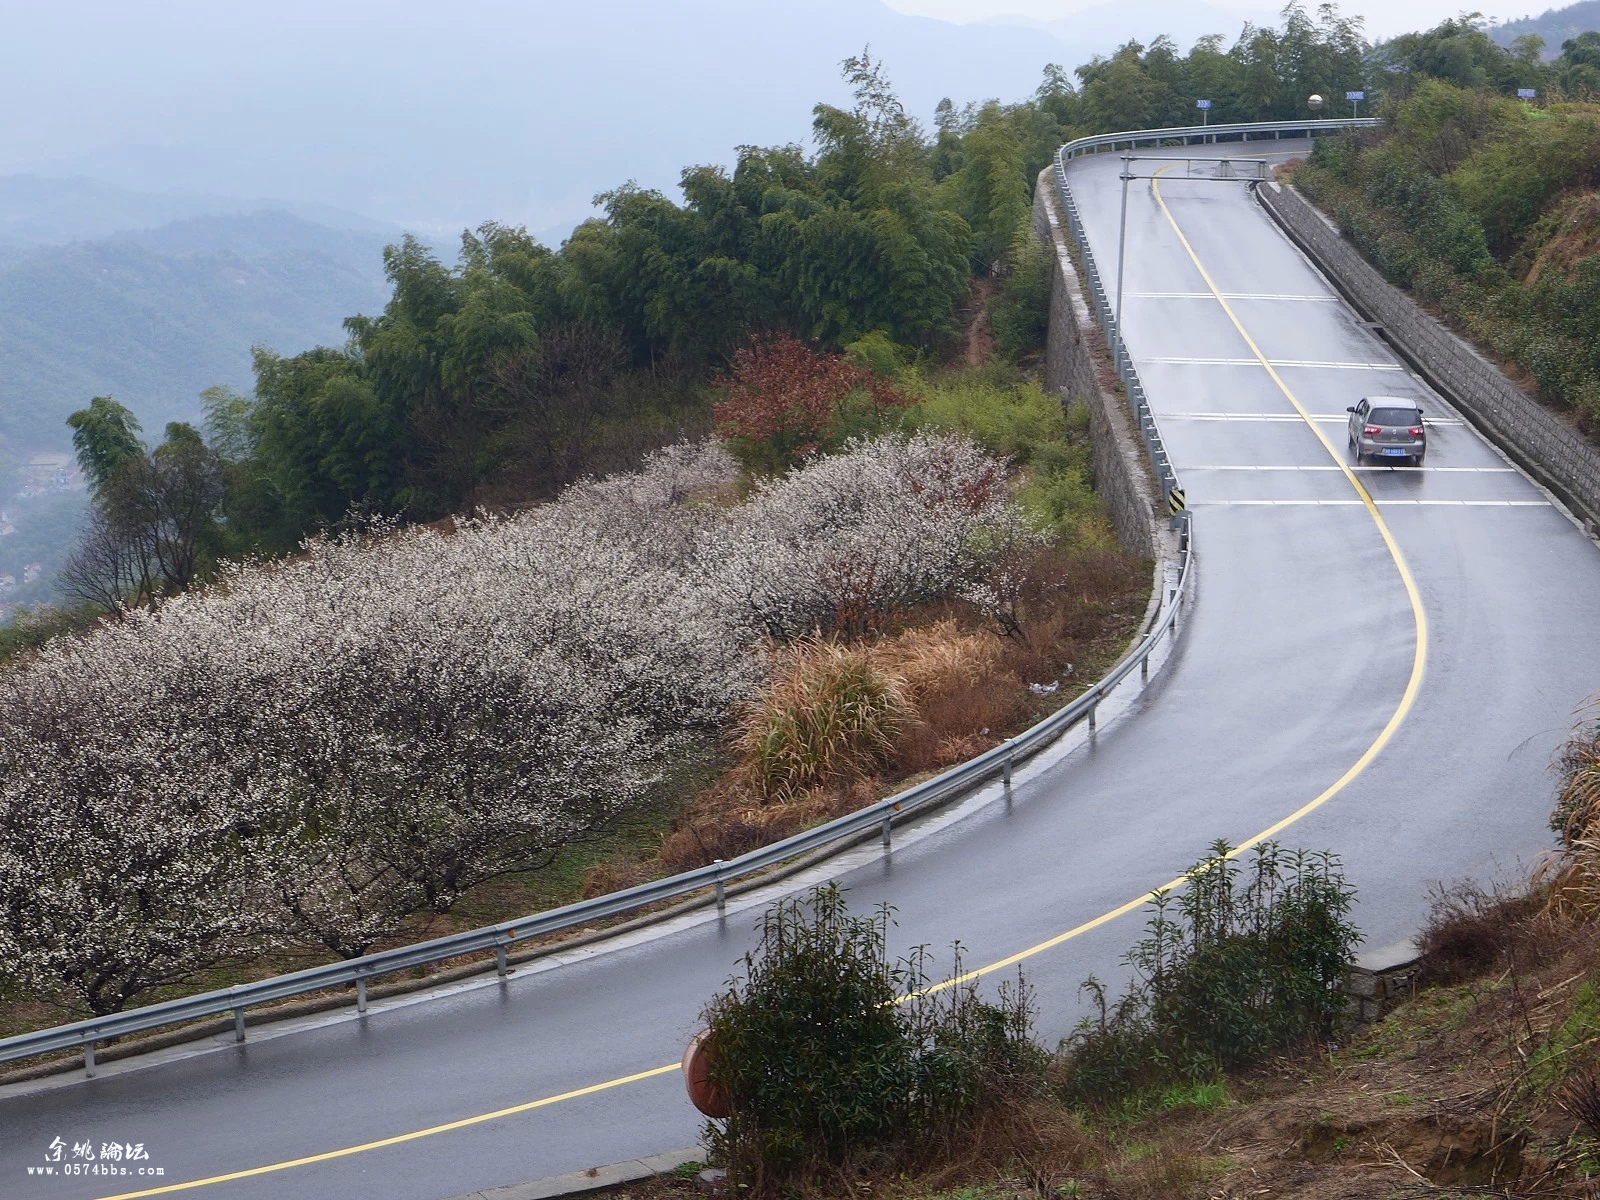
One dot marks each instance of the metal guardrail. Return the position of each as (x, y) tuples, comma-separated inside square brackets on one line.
[(998, 762), (1211, 133), (1160, 462)]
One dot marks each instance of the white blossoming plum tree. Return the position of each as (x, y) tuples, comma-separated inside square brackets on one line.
[(314, 749)]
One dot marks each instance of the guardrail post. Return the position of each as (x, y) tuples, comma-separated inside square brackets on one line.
[(88, 1059), (1005, 771), (722, 894), (361, 994), (238, 1024), (501, 967), (1093, 708), (887, 821)]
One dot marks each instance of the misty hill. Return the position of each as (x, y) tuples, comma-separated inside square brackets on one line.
[(391, 108), (155, 316), (1555, 25), (1106, 26), (37, 211)]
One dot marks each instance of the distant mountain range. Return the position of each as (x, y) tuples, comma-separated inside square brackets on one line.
[(1555, 25), (1106, 26), (155, 315), (434, 116), (151, 314), (36, 211)]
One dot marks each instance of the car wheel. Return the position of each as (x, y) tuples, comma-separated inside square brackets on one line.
[(1416, 460)]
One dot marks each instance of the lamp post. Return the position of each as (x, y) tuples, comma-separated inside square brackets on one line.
[(1122, 241)]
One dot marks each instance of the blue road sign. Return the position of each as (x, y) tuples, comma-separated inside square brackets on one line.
[(1202, 104), (1355, 95), (1526, 93)]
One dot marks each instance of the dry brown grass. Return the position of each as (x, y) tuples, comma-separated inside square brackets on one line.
[(961, 686), (1570, 881), (728, 820), (1472, 930)]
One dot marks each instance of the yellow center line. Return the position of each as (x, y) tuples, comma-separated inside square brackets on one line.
[(1407, 699), (399, 1137)]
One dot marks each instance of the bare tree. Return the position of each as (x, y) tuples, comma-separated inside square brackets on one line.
[(110, 568), (152, 520)]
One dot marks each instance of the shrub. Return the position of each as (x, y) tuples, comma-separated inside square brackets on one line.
[(1570, 882), (1470, 930), (782, 400), (1252, 961), (963, 689), (830, 1053), (855, 540), (1021, 420), (1576, 817)]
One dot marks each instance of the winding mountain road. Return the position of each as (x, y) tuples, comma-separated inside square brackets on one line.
[(1397, 673)]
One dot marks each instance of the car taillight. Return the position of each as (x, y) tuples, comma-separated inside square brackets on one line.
[(1415, 431), (1372, 430)]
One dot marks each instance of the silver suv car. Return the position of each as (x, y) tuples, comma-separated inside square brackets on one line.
[(1387, 427)]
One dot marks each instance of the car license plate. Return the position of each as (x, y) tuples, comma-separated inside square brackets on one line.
[(1396, 453)]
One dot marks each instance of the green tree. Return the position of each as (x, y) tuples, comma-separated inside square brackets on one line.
[(105, 436)]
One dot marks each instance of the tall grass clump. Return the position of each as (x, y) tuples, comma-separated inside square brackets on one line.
[(835, 1058), (1571, 880), (830, 715), (1246, 960)]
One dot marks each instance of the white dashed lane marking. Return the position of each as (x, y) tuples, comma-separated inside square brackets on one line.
[(1379, 503), (1320, 418), (1276, 362), (1465, 470), (1228, 296)]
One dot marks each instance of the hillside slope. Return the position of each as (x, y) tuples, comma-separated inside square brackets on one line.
[(1554, 25), (153, 317)]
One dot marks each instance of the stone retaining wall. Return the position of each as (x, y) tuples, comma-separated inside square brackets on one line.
[(1077, 369), (1533, 435)]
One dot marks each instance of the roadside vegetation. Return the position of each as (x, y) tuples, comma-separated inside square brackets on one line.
[(1225, 1067), (1486, 208), (842, 1070)]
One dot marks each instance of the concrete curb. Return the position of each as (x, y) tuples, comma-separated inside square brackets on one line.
[(595, 1179)]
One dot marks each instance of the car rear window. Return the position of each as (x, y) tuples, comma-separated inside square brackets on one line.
[(1394, 416)]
